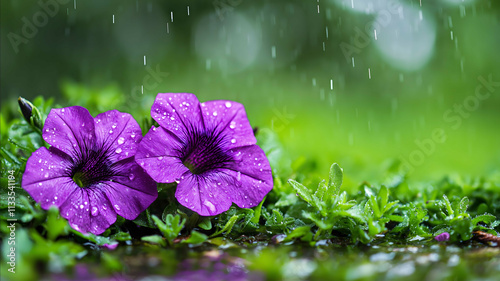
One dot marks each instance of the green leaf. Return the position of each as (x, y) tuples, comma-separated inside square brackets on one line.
[(302, 232), (335, 179), (227, 228), (155, 239), (257, 211), (303, 191), (171, 228), (485, 218), (121, 236), (55, 224), (205, 223), (383, 196), (448, 205), (464, 204), (374, 206), (196, 238)]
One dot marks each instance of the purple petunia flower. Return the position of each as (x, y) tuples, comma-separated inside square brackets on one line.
[(209, 150), (445, 236), (89, 171)]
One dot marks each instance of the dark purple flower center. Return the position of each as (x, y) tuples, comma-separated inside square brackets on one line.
[(90, 167), (203, 152)]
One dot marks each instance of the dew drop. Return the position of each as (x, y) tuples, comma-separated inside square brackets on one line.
[(238, 176), (118, 150), (228, 104), (233, 140), (94, 211), (209, 205), (121, 140), (160, 158), (117, 207), (215, 113), (81, 206), (232, 125), (110, 131), (131, 176)]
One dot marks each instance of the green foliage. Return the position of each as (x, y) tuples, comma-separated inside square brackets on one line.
[(301, 208), (171, 228)]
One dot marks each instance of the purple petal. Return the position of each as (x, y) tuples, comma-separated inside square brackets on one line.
[(76, 209), (205, 194), (445, 236), (131, 192), (111, 246), (159, 153), (88, 210), (252, 174), (102, 215), (230, 118), (176, 112), (117, 132), (246, 182), (69, 128), (45, 177)]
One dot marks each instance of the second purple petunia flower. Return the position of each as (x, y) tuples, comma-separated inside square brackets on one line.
[(209, 150), (89, 171)]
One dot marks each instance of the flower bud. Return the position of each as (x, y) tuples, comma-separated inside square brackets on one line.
[(30, 113)]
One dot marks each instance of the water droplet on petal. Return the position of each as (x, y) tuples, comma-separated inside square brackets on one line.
[(121, 140), (233, 140), (81, 206), (110, 131), (228, 104), (160, 158), (94, 211), (238, 176), (117, 207), (215, 113), (232, 125), (118, 150), (210, 206), (131, 176)]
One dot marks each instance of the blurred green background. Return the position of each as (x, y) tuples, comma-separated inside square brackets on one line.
[(358, 82)]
